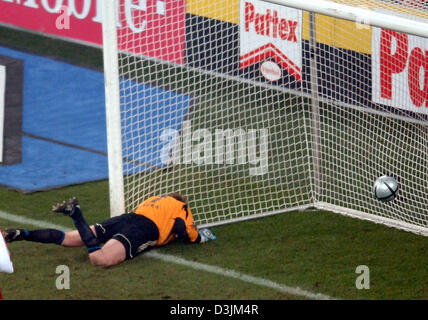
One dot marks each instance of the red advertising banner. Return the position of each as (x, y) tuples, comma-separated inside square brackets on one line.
[(148, 25), (270, 31)]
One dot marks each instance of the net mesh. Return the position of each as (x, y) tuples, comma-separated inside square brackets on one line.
[(250, 108)]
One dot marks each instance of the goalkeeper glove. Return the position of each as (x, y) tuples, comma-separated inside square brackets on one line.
[(206, 235)]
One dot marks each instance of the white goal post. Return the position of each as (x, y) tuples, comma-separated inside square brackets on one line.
[(257, 107), (112, 97)]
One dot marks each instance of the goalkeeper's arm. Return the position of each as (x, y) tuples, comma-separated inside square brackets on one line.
[(182, 233)]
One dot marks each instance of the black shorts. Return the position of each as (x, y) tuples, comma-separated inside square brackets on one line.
[(136, 232)]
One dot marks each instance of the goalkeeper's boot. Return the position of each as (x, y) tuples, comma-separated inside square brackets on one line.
[(11, 235), (67, 207)]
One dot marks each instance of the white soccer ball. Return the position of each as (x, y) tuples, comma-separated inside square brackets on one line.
[(385, 188)]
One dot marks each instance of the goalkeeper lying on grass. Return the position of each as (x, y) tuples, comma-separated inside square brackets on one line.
[(156, 222)]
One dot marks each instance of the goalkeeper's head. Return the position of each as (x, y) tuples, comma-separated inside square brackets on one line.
[(178, 197)]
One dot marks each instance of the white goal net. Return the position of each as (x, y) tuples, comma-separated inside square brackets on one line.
[(251, 108)]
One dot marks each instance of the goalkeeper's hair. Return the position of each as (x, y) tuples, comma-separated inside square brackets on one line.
[(178, 197)]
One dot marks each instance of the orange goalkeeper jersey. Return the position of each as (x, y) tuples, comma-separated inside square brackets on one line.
[(164, 211)]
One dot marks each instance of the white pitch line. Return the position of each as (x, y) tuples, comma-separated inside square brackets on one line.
[(296, 291)]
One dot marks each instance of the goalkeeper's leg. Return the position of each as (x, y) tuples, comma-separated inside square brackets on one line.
[(41, 235), (66, 239), (84, 235), (88, 236), (112, 253)]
